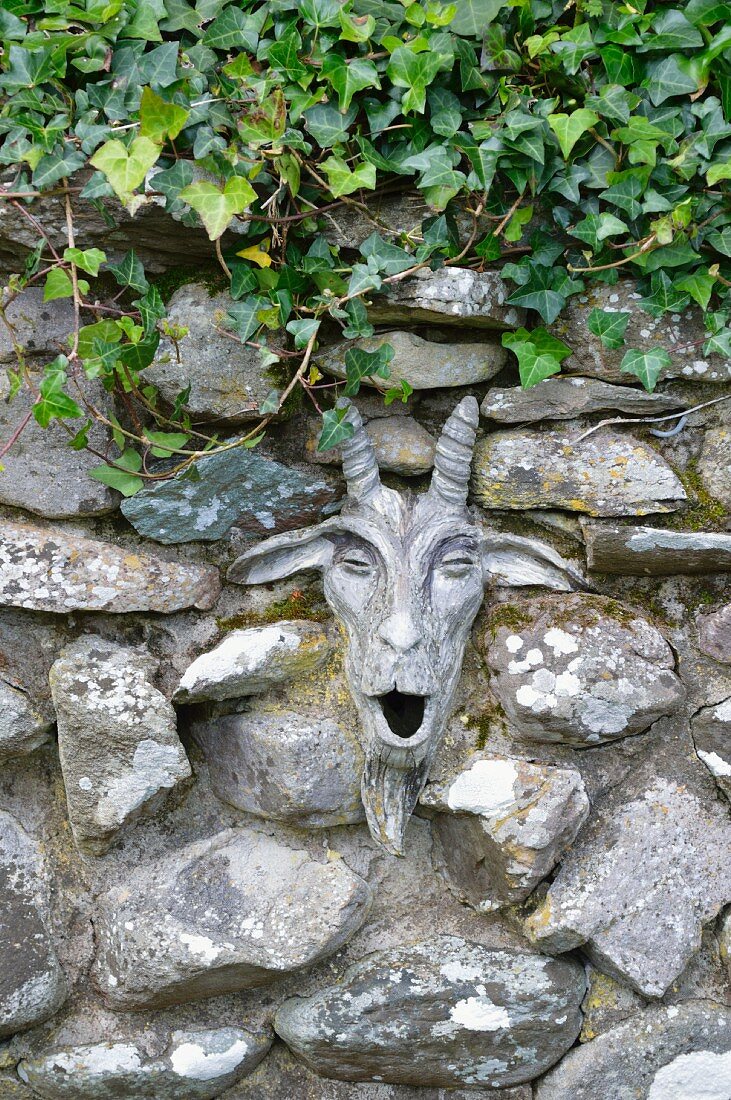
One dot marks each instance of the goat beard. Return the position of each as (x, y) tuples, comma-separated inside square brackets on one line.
[(390, 792)]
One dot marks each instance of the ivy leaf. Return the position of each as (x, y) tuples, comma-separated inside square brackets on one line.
[(569, 128), (270, 404), (57, 285), (57, 165), (244, 316), (217, 206), (89, 259), (53, 403), (698, 286), (538, 293), (129, 272), (389, 258), (303, 331), (125, 480), (125, 168), (539, 354), (327, 125), (335, 429), (360, 364), (646, 365), (665, 296), (347, 78), (415, 72), (472, 17), (160, 120), (234, 30), (343, 180), (609, 326), (672, 76), (163, 444)]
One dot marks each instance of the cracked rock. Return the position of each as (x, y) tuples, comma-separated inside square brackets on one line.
[(653, 867), (449, 296), (711, 729), (501, 826), (675, 1052), (565, 398), (444, 1013), (580, 670), (23, 726), (254, 660), (32, 983), (228, 913), (117, 740)]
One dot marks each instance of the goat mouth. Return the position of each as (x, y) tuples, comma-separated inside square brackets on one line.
[(403, 713)]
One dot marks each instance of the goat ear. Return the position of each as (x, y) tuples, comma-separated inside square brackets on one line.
[(282, 555), (510, 560)]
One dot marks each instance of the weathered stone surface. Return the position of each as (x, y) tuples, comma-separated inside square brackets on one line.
[(724, 940), (580, 670), (402, 446), (249, 661), (227, 381), (607, 474), (45, 569), (452, 295), (236, 486), (650, 551), (714, 634), (606, 1004), (653, 866), (12, 1088), (676, 1052), (32, 984), (680, 334), (711, 728), (41, 472), (117, 740), (231, 912), (42, 327), (444, 1013), (714, 463), (23, 727), (286, 766), (198, 1065), (564, 398), (502, 825), (424, 364)]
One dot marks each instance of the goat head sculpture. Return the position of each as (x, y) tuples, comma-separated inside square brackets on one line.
[(406, 575)]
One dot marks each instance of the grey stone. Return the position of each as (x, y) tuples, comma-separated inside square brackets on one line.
[(32, 983), (714, 463), (714, 634), (676, 1052), (402, 446), (117, 740), (250, 661), (653, 866), (651, 551), (227, 381), (711, 729), (198, 1065), (228, 913), (12, 1088), (286, 766), (565, 398), (581, 670), (45, 569), (424, 364), (607, 474), (724, 940), (680, 334), (450, 296), (502, 825), (42, 327), (234, 487), (606, 1004), (42, 473), (23, 726), (444, 1013)]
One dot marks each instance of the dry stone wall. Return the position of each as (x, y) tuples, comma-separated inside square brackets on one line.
[(191, 903)]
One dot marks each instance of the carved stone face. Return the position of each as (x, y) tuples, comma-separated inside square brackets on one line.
[(405, 575)]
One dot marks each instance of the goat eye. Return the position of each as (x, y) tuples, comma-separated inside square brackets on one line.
[(357, 564), (458, 565)]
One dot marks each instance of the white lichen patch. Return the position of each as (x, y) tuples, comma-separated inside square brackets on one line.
[(486, 788), (480, 1014), (701, 1075), (201, 946), (715, 763), (191, 1060)]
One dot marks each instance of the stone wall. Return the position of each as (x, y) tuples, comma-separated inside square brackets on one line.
[(192, 905)]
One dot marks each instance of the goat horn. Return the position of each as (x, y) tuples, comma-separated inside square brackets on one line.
[(450, 480), (360, 467)]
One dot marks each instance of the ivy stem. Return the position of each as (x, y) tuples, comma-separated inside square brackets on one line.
[(647, 419)]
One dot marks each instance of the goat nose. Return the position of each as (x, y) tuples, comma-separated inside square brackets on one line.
[(399, 632)]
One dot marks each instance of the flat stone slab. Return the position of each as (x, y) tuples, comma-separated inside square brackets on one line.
[(42, 327), (443, 1013), (32, 983), (711, 729), (681, 334), (232, 912), (23, 727), (653, 867), (249, 661), (651, 551), (227, 381), (607, 474), (453, 296), (580, 670), (117, 740), (714, 634), (45, 569), (501, 826), (198, 1065), (401, 445), (671, 1052), (237, 486), (286, 766), (424, 364), (565, 398)]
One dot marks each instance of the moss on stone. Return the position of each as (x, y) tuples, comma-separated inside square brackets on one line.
[(175, 277), (483, 723), (300, 604), (508, 615)]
